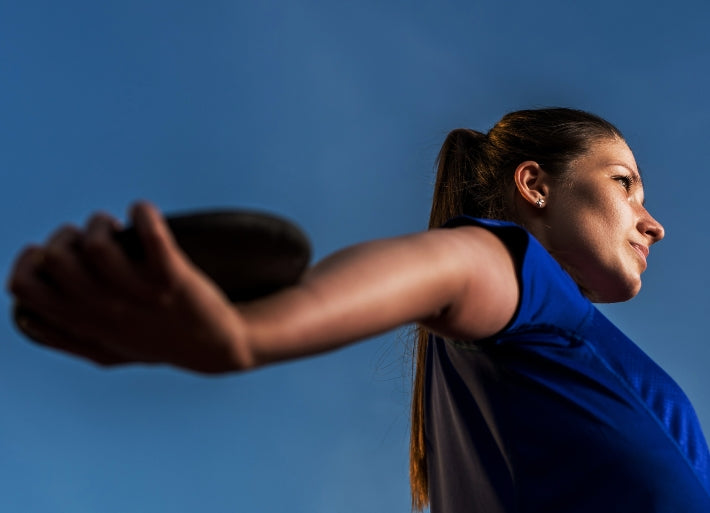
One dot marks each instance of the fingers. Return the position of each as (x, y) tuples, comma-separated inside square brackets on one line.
[(37, 284), (53, 337), (61, 263), (76, 273), (82, 294), (57, 254), (105, 257), (26, 281), (43, 277)]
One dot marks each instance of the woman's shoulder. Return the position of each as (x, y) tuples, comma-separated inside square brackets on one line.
[(547, 294)]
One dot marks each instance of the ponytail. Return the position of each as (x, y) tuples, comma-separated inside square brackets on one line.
[(460, 159), (459, 162)]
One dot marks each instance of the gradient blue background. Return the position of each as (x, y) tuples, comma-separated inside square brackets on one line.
[(331, 115)]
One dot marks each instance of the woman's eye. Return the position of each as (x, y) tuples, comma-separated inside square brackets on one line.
[(625, 181)]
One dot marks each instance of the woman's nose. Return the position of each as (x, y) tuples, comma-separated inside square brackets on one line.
[(650, 227)]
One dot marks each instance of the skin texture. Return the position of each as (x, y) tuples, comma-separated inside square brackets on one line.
[(460, 282)]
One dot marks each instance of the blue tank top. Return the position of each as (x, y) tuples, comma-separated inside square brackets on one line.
[(559, 412)]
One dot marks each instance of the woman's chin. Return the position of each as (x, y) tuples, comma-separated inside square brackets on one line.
[(618, 293)]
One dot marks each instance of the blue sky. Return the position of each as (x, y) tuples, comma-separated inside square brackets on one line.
[(332, 115)]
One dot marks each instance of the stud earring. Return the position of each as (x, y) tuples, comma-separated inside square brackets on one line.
[(540, 202)]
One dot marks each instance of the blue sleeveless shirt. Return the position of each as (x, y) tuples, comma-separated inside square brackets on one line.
[(559, 412)]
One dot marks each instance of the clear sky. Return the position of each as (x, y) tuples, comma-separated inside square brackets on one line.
[(332, 115)]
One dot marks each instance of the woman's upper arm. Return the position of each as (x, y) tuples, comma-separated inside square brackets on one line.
[(459, 282), (490, 291)]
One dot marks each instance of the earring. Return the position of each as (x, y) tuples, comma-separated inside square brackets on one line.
[(540, 202)]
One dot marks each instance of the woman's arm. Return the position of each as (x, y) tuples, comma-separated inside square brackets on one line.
[(101, 306), (459, 282)]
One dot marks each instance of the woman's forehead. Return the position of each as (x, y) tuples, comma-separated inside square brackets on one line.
[(610, 152)]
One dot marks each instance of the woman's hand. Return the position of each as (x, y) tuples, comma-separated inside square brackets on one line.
[(81, 294)]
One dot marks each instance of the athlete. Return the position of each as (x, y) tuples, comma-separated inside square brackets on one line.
[(526, 398)]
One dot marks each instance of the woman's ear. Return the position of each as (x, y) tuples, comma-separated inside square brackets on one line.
[(531, 182)]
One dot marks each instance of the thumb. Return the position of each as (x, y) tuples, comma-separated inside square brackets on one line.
[(163, 256)]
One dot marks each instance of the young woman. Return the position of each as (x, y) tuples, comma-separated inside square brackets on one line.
[(526, 398)]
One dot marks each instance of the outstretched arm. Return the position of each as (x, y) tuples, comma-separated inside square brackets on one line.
[(102, 306), (459, 282)]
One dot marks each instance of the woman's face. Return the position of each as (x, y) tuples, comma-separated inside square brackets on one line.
[(595, 223)]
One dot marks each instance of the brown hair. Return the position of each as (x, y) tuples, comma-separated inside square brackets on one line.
[(475, 177)]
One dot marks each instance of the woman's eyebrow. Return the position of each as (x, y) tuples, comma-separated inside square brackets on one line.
[(636, 175)]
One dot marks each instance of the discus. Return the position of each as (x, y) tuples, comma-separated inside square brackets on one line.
[(248, 254)]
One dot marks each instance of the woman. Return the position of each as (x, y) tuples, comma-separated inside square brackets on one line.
[(526, 398)]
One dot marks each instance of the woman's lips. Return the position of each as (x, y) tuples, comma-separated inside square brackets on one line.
[(641, 250)]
